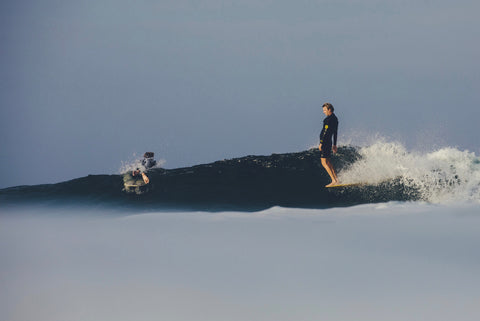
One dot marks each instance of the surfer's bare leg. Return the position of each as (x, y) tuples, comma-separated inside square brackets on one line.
[(330, 170)]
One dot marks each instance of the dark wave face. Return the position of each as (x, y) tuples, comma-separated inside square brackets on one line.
[(249, 183)]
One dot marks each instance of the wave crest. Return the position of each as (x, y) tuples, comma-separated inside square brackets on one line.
[(444, 175)]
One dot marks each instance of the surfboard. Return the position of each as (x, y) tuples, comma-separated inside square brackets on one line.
[(136, 188), (133, 185), (345, 185)]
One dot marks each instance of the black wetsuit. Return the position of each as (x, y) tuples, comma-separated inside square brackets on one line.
[(329, 130)]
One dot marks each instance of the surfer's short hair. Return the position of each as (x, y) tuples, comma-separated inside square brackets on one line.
[(328, 106)]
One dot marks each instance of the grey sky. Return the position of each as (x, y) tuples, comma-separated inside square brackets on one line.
[(86, 84)]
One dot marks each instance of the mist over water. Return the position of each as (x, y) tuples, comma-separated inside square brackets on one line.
[(369, 262)]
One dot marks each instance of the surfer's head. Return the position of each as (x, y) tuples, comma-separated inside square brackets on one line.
[(327, 109), (328, 106)]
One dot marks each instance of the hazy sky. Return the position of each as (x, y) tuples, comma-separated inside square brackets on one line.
[(87, 84)]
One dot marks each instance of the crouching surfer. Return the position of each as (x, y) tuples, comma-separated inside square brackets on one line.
[(329, 132), (137, 181)]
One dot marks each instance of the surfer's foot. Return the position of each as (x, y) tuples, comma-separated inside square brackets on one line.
[(333, 183)]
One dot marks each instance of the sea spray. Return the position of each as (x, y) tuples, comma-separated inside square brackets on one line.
[(136, 162), (446, 174)]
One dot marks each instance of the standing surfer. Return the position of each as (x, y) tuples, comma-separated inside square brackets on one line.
[(329, 131)]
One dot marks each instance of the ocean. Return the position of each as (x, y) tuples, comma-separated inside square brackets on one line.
[(253, 238)]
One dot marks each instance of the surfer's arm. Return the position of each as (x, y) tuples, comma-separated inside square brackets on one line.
[(334, 147), (145, 178), (323, 133), (334, 134)]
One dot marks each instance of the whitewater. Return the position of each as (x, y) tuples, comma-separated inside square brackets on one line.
[(443, 175), (413, 256)]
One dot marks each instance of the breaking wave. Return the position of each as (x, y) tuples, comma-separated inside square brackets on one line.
[(444, 175), (386, 171)]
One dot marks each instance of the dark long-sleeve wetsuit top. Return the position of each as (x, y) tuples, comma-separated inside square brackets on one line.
[(329, 130)]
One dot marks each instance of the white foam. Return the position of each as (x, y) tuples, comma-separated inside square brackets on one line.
[(444, 175)]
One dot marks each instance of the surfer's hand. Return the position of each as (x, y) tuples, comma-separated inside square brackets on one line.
[(334, 149), (320, 147)]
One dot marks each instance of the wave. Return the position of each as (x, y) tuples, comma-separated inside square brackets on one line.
[(386, 171)]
